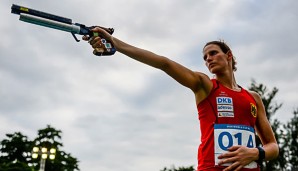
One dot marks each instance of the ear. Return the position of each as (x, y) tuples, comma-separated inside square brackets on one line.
[(230, 54)]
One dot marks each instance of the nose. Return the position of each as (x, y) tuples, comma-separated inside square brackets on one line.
[(208, 58)]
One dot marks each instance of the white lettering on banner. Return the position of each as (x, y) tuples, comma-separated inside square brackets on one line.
[(226, 136)]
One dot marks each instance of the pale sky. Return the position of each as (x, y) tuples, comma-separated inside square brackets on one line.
[(116, 113)]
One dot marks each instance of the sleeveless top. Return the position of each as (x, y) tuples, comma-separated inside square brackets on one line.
[(222, 106)]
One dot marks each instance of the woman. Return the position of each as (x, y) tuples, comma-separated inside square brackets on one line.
[(228, 113)]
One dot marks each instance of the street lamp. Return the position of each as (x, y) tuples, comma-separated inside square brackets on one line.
[(44, 153)]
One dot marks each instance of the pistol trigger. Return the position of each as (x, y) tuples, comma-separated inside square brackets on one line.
[(74, 36)]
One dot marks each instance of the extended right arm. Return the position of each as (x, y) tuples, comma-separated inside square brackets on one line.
[(196, 81)]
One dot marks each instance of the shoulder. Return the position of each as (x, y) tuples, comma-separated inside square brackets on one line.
[(203, 81), (258, 99), (255, 95), (203, 88), (202, 76)]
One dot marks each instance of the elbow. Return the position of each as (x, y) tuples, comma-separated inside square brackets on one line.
[(274, 152)]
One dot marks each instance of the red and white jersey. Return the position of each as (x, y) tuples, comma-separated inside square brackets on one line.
[(222, 108)]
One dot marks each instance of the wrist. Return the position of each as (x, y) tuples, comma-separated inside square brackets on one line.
[(261, 155), (111, 39)]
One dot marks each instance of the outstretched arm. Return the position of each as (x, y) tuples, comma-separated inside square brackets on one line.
[(196, 81)]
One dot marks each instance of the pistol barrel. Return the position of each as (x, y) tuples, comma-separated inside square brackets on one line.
[(50, 23), (16, 9)]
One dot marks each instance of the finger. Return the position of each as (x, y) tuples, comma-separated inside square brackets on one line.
[(227, 155), (97, 29), (234, 148), (97, 44), (94, 40), (85, 37), (103, 33), (98, 50), (230, 153), (232, 167), (226, 160), (236, 167)]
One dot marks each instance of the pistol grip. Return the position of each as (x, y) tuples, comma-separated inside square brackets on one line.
[(106, 50)]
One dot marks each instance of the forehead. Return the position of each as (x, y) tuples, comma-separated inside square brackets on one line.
[(211, 47)]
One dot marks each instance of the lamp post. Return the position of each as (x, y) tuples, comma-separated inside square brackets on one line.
[(44, 153)]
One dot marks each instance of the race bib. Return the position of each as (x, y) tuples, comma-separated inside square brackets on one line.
[(226, 136)]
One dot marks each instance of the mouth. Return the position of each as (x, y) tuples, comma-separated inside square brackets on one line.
[(210, 65)]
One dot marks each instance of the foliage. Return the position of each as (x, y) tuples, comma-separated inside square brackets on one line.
[(291, 142), (191, 168), (16, 147), (17, 166), (16, 152)]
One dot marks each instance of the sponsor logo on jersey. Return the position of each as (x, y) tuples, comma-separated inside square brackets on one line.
[(224, 100), (225, 107), (225, 114)]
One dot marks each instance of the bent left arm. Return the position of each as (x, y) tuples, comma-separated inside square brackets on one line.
[(240, 156), (264, 130)]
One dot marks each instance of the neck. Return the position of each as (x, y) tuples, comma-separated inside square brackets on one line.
[(228, 80)]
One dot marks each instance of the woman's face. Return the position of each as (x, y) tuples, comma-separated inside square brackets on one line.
[(215, 59)]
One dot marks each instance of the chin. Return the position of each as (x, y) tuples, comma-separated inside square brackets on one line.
[(213, 71)]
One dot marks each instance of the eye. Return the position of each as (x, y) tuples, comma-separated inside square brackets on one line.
[(213, 52)]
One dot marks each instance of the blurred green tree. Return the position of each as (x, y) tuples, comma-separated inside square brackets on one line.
[(290, 140), (173, 168), (16, 150)]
